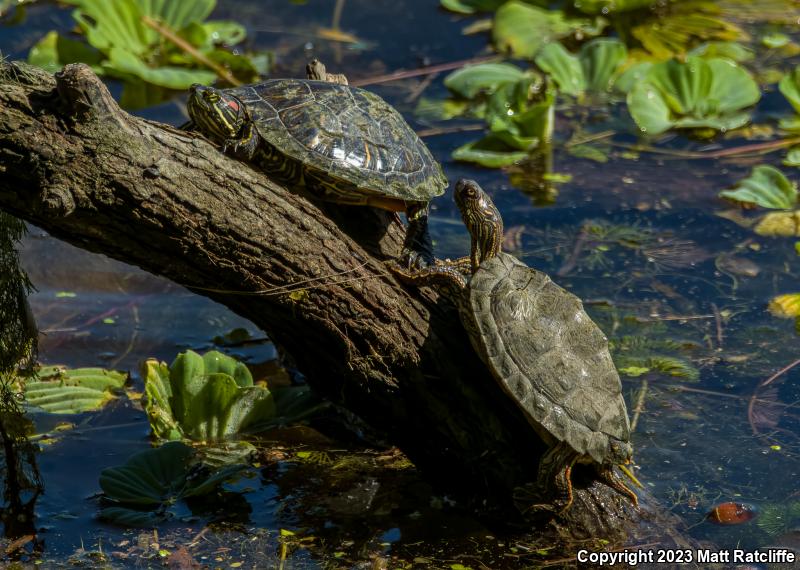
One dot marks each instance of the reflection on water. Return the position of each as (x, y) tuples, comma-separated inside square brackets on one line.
[(680, 292)]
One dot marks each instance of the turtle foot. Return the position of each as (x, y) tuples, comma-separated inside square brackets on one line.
[(531, 499), (415, 260)]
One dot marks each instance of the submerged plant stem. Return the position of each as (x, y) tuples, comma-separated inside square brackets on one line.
[(756, 148), (639, 407)]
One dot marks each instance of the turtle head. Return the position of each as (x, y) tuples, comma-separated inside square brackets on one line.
[(619, 452), (482, 219), (217, 114)]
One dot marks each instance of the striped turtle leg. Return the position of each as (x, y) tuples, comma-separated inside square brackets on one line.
[(553, 484), (243, 147), (418, 247), (444, 276), (610, 478)]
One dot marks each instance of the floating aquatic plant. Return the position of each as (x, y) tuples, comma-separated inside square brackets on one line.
[(696, 93), (675, 27), (636, 364), (521, 29), (144, 489), (593, 69), (779, 224), (58, 390), (789, 86), (212, 397), (767, 187), (165, 44)]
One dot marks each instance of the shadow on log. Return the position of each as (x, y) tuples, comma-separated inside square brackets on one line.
[(313, 276)]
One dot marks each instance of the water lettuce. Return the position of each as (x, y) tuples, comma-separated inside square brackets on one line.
[(696, 93)]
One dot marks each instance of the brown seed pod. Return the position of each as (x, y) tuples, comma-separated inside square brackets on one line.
[(731, 513)]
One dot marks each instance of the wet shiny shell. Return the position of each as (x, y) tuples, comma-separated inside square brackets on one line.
[(547, 354), (344, 133)]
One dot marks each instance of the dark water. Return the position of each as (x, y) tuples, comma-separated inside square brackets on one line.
[(659, 266)]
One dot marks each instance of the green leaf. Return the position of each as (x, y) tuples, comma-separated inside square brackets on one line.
[(177, 15), (60, 391), (634, 371), (632, 76), (789, 85), (440, 109), (792, 157), (785, 306), (730, 50), (767, 187), (775, 40), (692, 94), (471, 6), (157, 478), (594, 69), (563, 67), (54, 51), (217, 362), (490, 151), (158, 390), (589, 152), (610, 6), (522, 29), (669, 32), (118, 23), (132, 517), (123, 63), (601, 59), (149, 477), (203, 398), (294, 404), (225, 32), (471, 80), (779, 224)]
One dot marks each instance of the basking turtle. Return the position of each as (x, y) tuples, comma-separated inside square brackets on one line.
[(543, 350), (338, 143)]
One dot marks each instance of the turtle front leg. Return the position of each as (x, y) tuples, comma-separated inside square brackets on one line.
[(553, 482), (610, 478), (245, 145), (418, 247)]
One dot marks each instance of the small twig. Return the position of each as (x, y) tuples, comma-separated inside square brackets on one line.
[(290, 287), (572, 261), (756, 148), (718, 321), (420, 89), (589, 138), (397, 75), (656, 319), (639, 407), (190, 49), (752, 403), (434, 131)]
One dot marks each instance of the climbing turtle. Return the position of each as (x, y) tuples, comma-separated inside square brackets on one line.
[(543, 350), (337, 143)]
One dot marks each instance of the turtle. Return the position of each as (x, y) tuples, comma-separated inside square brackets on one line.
[(334, 142), (543, 350)]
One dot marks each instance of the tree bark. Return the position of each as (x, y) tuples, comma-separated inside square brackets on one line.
[(312, 275)]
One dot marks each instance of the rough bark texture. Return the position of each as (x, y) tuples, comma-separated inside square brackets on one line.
[(313, 276)]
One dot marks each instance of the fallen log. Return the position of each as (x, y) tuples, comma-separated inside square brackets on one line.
[(312, 275)]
